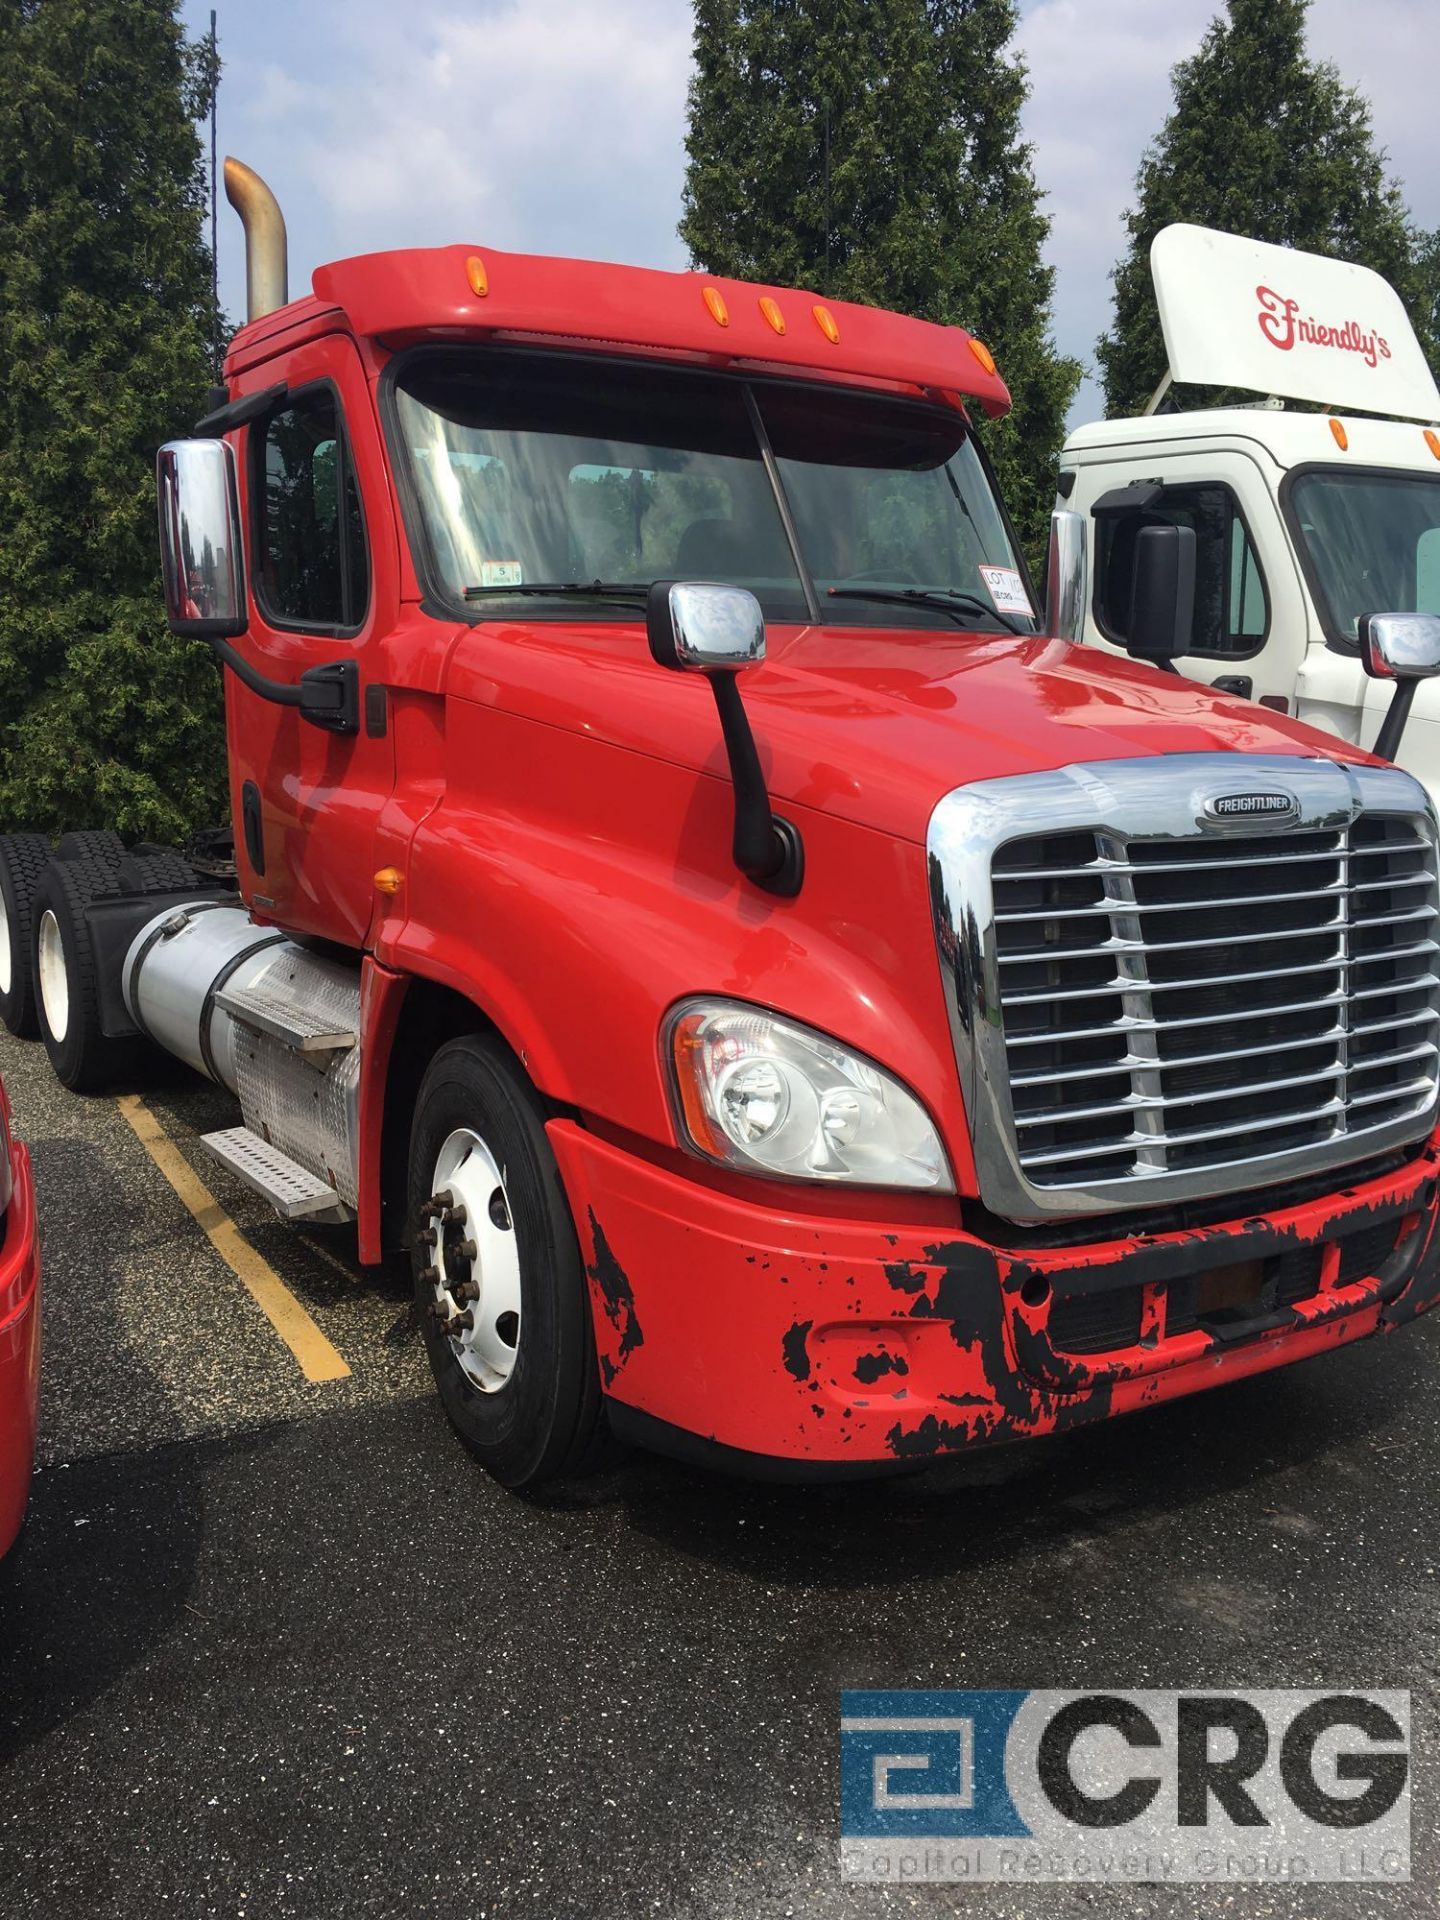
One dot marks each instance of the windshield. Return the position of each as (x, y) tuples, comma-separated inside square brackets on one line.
[(532, 472), (1372, 543)]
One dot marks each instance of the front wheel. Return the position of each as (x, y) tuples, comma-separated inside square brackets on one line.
[(498, 1275)]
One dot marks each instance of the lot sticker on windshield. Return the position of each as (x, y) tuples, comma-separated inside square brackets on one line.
[(501, 573), (1006, 589)]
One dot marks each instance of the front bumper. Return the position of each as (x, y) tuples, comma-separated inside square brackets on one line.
[(19, 1345), (839, 1343)]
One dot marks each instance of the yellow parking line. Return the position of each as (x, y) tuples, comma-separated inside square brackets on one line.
[(318, 1359)]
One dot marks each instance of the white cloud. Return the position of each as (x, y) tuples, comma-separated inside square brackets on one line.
[(544, 125)]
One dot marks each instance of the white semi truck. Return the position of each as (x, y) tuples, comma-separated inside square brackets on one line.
[(1305, 521)]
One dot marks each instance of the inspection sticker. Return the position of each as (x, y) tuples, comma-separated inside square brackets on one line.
[(1006, 589), (501, 573)]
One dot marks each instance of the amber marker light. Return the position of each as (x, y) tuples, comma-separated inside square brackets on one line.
[(715, 301), (688, 1048), (389, 880), (983, 354), (475, 273), (774, 317), (1339, 435), (825, 320), (1432, 441)]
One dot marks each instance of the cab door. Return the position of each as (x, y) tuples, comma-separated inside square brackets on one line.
[(306, 798), (1250, 627)]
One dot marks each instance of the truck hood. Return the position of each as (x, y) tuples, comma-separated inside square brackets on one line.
[(875, 725)]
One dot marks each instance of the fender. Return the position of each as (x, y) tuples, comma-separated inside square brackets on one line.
[(575, 944)]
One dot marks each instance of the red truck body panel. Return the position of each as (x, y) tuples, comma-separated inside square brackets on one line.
[(19, 1342), (559, 813)]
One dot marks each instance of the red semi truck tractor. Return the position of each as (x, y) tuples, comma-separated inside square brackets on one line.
[(794, 1005)]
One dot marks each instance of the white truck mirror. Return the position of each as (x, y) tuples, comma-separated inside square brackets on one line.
[(1403, 648), (1162, 594)]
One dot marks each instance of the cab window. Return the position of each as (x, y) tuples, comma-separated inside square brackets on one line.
[(1232, 609), (1370, 543), (313, 570)]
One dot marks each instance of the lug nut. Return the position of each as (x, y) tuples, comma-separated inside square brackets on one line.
[(431, 1276), (467, 1250), (437, 1203), (453, 1217), (467, 1290), (427, 1237), (462, 1323)]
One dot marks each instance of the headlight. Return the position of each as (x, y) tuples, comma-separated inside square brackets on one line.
[(764, 1095)]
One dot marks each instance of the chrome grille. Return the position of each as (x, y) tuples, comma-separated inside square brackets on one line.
[(1171, 1004), (1152, 1002)]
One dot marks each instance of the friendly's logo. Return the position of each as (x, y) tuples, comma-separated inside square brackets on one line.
[(1282, 324), (1276, 1784)]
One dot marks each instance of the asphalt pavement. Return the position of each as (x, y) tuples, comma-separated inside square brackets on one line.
[(273, 1646)]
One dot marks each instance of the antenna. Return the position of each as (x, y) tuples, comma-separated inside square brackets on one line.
[(214, 189)]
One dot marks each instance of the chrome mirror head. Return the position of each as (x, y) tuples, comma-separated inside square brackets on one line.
[(1065, 576), (201, 552), (704, 626), (1400, 646)]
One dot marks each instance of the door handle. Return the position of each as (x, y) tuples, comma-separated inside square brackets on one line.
[(1240, 684)]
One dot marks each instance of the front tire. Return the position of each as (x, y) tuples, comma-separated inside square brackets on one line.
[(63, 961), (499, 1279)]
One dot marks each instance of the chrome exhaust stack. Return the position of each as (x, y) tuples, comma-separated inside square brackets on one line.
[(266, 246)]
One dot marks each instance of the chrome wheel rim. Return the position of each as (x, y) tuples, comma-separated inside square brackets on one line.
[(474, 1261), (54, 980)]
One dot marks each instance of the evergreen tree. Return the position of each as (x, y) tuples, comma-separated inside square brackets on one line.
[(871, 149), (106, 331), (1266, 142)]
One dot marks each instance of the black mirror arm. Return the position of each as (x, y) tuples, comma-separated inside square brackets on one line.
[(327, 696), (1387, 741), (767, 849)]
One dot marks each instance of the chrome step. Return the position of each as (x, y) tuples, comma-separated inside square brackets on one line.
[(293, 1191), (303, 1028)]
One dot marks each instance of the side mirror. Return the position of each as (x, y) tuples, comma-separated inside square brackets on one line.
[(705, 626), (1403, 648), (1065, 576), (1162, 594), (717, 630), (201, 550), (1400, 646)]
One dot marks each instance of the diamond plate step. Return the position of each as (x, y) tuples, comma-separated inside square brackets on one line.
[(293, 1191), (299, 1027)]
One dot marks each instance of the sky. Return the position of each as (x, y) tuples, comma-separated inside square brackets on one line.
[(557, 126)]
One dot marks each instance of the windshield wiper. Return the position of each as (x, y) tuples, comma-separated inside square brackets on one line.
[(580, 589), (944, 599)]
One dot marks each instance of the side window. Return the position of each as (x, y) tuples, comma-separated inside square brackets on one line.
[(313, 569), (1427, 571), (1232, 609)]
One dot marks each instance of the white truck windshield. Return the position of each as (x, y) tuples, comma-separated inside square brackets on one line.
[(535, 478), (1371, 543)]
